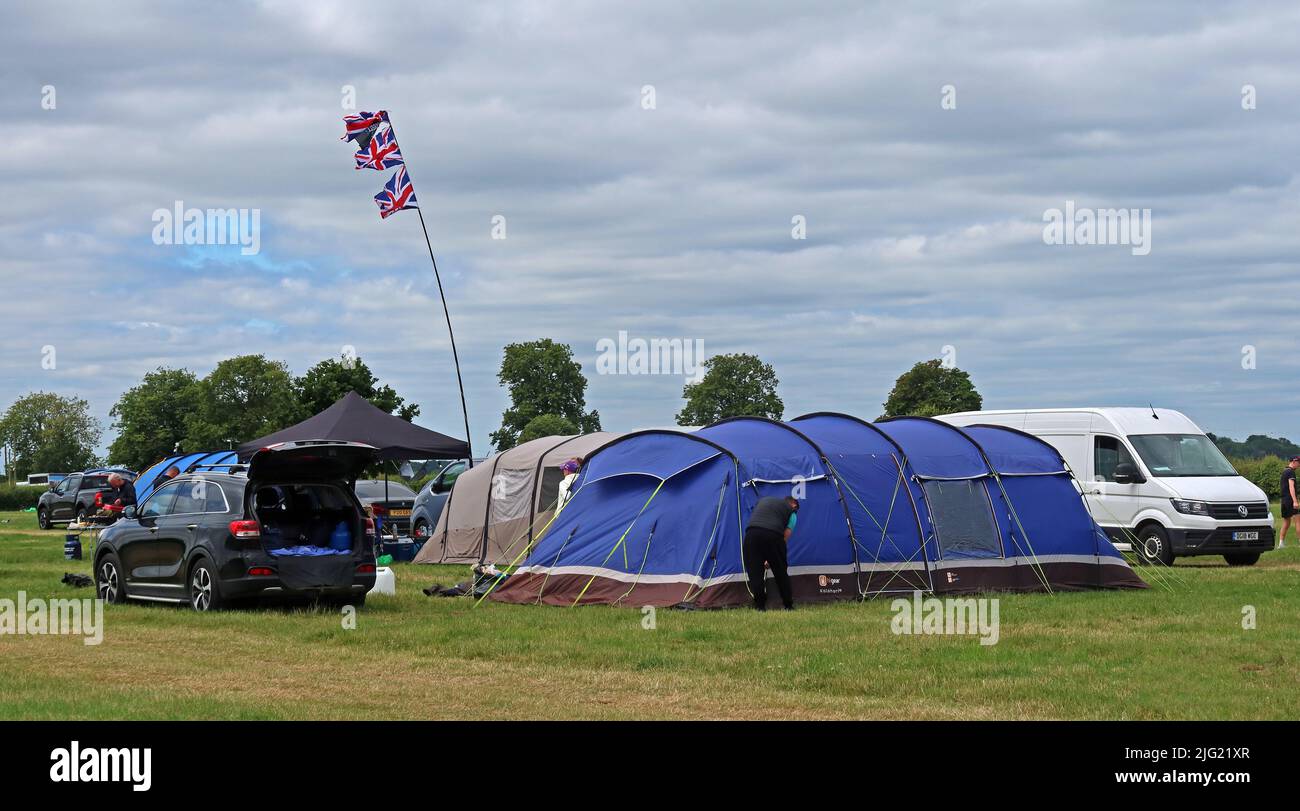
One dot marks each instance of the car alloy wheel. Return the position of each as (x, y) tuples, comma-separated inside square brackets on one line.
[(42, 518), (109, 583), (201, 589)]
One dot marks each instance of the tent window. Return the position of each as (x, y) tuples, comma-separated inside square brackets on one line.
[(510, 494), (550, 489), (963, 519)]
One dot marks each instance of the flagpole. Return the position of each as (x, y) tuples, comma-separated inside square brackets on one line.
[(464, 410), (469, 449)]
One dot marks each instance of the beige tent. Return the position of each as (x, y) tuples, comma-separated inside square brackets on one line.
[(498, 508)]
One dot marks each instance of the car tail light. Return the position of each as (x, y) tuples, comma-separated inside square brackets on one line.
[(99, 499), (370, 527), (261, 571), (378, 509), (245, 529), (366, 568)]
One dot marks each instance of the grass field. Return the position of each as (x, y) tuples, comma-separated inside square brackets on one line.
[(1176, 651)]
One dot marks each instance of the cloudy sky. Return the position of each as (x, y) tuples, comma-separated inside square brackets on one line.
[(670, 219)]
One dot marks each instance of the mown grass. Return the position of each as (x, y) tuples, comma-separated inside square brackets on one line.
[(1174, 651)]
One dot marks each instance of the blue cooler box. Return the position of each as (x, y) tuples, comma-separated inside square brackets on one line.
[(402, 551)]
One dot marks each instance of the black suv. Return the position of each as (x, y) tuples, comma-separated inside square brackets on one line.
[(72, 499), (287, 524)]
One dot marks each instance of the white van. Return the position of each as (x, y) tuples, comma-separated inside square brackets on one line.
[(1152, 479)]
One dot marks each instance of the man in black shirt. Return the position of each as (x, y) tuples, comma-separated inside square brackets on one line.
[(1289, 500), (120, 495), (769, 529)]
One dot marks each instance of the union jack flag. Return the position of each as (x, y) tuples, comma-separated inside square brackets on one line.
[(398, 194), (362, 125), (381, 153)]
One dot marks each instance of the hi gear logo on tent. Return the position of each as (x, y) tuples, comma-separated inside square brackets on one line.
[(829, 585)]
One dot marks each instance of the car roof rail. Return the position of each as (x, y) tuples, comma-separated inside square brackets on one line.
[(228, 467)]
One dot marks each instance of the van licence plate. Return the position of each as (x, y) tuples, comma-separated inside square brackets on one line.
[(1245, 536)]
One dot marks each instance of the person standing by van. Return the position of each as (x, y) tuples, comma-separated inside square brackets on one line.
[(1289, 500)]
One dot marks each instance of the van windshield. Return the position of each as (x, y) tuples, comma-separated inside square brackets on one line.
[(1181, 455)]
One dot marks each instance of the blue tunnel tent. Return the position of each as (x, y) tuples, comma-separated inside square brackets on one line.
[(187, 463), (869, 466), (657, 517), (653, 520), (1000, 510), (777, 459)]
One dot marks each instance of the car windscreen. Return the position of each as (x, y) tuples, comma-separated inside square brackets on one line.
[(374, 489), (1181, 455)]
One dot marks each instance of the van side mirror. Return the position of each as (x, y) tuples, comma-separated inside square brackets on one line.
[(1127, 473)]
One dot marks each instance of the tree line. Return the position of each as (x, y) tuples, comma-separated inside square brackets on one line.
[(242, 398), (249, 396), (548, 392)]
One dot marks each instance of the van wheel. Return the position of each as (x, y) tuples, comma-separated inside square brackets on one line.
[(1152, 546), (205, 594), (43, 518), (1242, 558), (109, 584)]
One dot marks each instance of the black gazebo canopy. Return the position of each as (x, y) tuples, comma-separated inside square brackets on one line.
[(354, 419)]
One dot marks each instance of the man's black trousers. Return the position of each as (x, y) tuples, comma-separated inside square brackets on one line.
[(765, 545)]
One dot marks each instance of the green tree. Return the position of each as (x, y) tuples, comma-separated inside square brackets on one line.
[(326, 382), (547, 425), (737, 385), (543, 378), (929, 388), (47, 432), (243, 398), (1256, 446), (1264, 471), (150, 418)]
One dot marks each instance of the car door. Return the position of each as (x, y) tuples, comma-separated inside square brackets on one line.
[(1111, 503), (65, 502), (138, 547), (183, 528)]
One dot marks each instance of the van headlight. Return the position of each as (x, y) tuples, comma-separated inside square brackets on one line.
[(1191, 507)]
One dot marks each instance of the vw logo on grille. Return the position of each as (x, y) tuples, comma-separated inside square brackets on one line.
[(1242, 511)]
